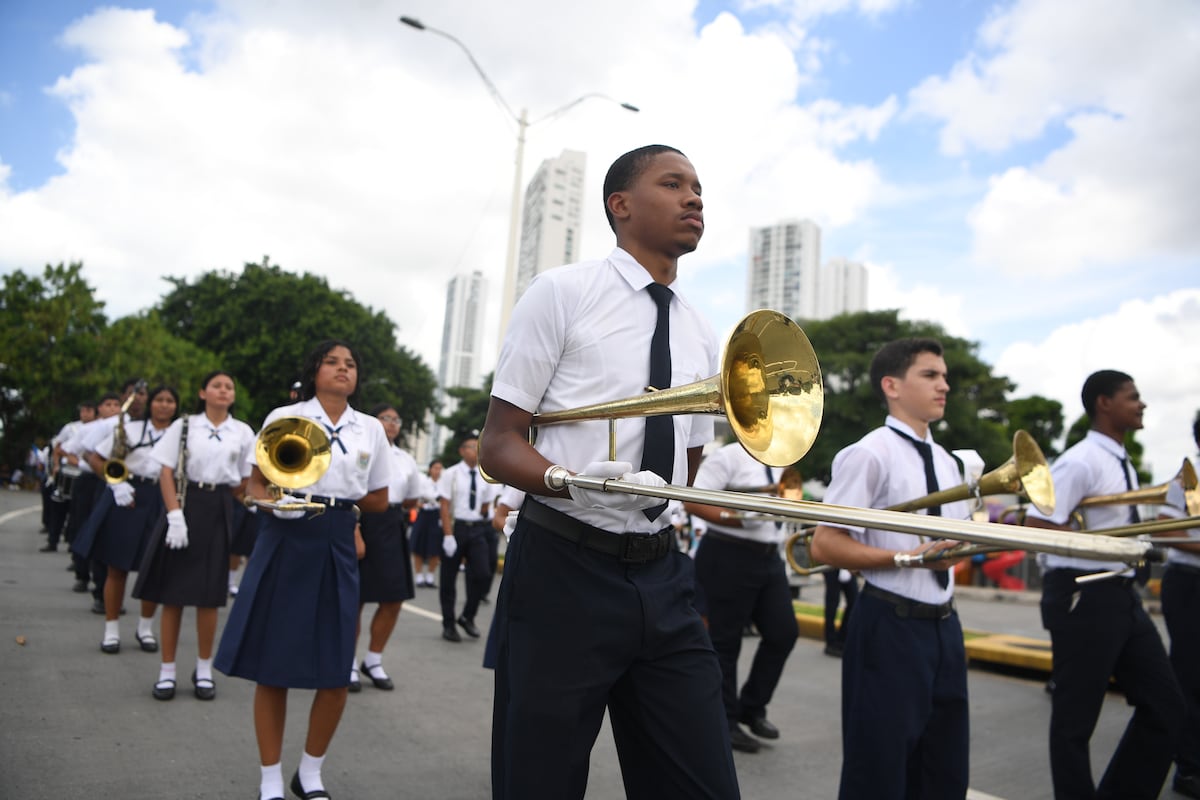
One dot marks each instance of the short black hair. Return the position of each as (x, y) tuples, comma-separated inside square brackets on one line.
[(1196, 428), (87, 404), (894, 359), (155, 392), (312, 363), (200, 407), (626, 169), (1104, 383), (129, 384), (106, 397)]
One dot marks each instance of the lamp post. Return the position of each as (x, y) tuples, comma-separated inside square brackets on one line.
[(523, 123)]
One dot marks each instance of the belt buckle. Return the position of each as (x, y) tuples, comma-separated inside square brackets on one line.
[(639, 548)]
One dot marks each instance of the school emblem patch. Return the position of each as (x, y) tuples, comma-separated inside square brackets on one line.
[(364, 459)]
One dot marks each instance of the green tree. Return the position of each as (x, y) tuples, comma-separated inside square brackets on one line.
[(262, 322), (141, 346), (975, 416), (50, 337), (1041, 418), (468, 416)]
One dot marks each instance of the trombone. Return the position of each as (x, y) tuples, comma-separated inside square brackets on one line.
[(292, 453), (1025, 473)]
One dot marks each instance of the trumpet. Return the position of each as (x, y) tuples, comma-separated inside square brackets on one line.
[(1025, 473), (115, 470), (292, 453)]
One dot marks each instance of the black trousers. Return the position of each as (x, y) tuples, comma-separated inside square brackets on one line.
[(1181, 610), (1097, 631), (834, 589), (473, 547), (56, 519), (577, 632), (83, 497), (743, 586), (905, 728)]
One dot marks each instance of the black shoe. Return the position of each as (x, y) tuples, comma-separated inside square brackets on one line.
[(384, 683), (50, 548), (469, 626), (762, 728), (742, 741), (834, 650), (450, 634), (97, 606), (148, 643), (164, 690), (79, 587), (111, 648), (204, 689), (487, 601), (355, 684), (298, 790), (1186, 784)]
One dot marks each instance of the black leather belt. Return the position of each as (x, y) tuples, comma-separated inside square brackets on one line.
[(339, 503), (206, 487), (763, 548), (140, 479), (629, 548), (912, 609)]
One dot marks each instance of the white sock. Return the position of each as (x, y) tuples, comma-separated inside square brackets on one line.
[(204, 669), (112, 630), (372, 659), (232, 580), (353, 674), (166, 672), (145, 626), (310, 773), (272, 781)]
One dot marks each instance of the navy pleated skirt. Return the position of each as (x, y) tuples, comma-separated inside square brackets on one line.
[(292, 623), (196, 575), (427, 533), (385, 572), (116, 536), (245, 530)]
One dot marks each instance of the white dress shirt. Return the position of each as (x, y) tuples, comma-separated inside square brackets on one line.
[(581, 335), (140, 437), (883, 469), (455, 486), (405, 482), (731, 467), (216, 454)]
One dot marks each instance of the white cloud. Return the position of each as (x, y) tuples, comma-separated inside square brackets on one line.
[(920, 302), (1151, 340), (1118, 83)]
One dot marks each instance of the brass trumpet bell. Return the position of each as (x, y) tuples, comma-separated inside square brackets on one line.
[(293, 452), (769, 387)]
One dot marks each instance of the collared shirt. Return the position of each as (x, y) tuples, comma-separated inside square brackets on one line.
[(731, 467), (66, 432), (1089, 468), (360, 470), (581, 335), (455, 486), (405, 482), (215, 453), (428, 491), (1176, 508), (881, 470), (88, 437), (140, 437)]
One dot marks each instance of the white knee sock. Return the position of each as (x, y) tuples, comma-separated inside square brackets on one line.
[(310, 773), (166, 672), (112, 630), (204, 669), (272, 781), (145, 626)]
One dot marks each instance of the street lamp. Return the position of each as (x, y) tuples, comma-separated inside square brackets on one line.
[(523, 122)]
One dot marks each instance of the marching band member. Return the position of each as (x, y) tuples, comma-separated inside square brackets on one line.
[(185, 562), (385, 569), (293, 623), (1099, 629), (119, 527), (904, 672), (595, 610), (426, 540)]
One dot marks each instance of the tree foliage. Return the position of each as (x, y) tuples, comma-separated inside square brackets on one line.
[(264, 321), (1041, 417), (470, 411)]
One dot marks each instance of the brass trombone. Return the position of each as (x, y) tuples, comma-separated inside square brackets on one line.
[(292, 453), (1025, 473)]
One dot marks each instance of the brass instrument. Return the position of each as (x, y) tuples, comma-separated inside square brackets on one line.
[(181, 467), (1186, 476), (292, 453), (115, 470), (1025, 473)]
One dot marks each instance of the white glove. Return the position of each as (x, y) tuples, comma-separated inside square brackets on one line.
[(618, 501), (176, 530), (288, 498), (844, 576), (122, 493), (510, 524), (449, 546)]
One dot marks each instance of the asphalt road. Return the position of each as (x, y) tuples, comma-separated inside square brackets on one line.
[(75, 723)]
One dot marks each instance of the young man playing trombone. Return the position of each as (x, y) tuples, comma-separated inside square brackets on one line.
[(904, 672), (1098, 629), (595, 609)]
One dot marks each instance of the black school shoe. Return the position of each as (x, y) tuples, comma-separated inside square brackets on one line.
[(298, 790)]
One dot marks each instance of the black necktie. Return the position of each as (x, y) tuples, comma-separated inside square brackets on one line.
[(471, 497), (658, 451), (931, 486), (1141, 573), (333, 436)]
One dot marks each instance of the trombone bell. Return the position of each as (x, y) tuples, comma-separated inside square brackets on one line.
[(293, 452)]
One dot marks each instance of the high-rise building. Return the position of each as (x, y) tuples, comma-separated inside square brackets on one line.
[(843, 288), (462, 337), (783, 269), (551, 225)]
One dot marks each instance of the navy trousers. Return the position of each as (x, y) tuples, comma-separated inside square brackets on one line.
[(473, 548), (579, 632), (1181, 610)]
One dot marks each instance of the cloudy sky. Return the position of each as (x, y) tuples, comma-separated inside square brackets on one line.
[(1023, 173)]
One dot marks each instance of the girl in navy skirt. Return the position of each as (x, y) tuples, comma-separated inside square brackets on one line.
[(186, 560), (293, 622), (427, 529), (385, 571), (120, 524)]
